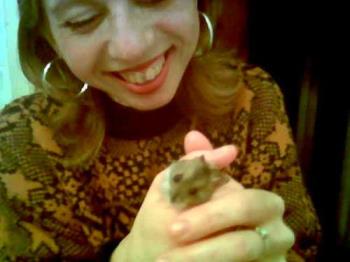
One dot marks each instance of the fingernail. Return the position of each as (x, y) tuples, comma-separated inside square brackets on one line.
[(179, 228), (230, 147)]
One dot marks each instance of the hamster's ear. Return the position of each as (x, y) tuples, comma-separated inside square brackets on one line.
[(218, 178), (173, 162), (202, 158)]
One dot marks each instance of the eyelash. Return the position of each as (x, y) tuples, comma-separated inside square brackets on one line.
[(150, 1), (84, 25)]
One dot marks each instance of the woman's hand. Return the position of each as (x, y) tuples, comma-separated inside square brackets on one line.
[(207, 232), (223, 229), (212, 231), (150, 236)]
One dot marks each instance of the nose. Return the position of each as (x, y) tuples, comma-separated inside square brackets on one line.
[(129, 38)]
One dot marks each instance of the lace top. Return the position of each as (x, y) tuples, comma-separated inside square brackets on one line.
[(48, 211)]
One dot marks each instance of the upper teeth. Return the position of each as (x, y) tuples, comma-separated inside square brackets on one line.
[(148, 74)]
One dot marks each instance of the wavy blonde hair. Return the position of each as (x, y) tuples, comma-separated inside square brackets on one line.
[(207, 90)]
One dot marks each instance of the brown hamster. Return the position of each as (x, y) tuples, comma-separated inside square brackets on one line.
[(192, 182)]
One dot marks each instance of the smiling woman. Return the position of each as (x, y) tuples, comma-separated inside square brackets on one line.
[(106, 60), (119, 86), (116, 43)]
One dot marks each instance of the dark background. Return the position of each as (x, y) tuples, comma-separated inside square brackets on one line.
[(294, 41)]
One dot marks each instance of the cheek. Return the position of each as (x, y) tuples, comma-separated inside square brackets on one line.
[(80, 56), (184, 26)]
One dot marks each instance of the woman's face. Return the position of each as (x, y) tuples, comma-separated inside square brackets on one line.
[(136, 51)]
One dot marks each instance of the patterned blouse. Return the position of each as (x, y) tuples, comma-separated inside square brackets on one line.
[(52, 213)]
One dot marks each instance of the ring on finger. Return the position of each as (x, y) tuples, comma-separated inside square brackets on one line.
[(262, 232)]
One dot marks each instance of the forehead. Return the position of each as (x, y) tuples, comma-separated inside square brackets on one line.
[(57, 6)]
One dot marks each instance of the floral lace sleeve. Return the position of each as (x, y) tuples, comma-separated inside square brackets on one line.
[(268, 157)]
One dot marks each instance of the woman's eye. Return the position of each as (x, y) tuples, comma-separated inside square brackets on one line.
[(85, 25), (149, 1)]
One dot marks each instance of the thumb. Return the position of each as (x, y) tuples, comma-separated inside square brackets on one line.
[(195, 140)]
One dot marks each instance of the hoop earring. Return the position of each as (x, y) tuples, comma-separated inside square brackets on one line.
[(47, 68), (210, 28)]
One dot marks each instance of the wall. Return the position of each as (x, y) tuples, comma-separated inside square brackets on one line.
[(12, 81)]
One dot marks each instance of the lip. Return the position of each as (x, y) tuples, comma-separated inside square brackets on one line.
[(142, 67), (153, 85)]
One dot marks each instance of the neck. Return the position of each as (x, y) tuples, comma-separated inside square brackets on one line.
[(128, 123)]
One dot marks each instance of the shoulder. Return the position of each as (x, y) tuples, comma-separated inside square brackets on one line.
[(16, 118), (24, 127), (258, 94), (25, 110), (26, 173), (261, 89), (31, 106), (259, 107)]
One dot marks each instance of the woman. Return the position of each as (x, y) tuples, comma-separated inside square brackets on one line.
[(120, 84)]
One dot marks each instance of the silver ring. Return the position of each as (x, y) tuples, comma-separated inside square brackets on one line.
[(262, 232)]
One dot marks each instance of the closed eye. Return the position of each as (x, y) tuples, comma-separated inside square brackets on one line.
[(149, 1), (85, 25)]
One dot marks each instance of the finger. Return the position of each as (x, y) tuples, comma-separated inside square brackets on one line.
[(279, 240), (248, 207), (220, 157), (244, 245), (195, 141), (240, 245)]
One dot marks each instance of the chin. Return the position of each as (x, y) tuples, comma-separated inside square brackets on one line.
[(150, 105), (153, 102)]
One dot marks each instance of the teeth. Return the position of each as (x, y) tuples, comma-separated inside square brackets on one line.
[(149, 74)]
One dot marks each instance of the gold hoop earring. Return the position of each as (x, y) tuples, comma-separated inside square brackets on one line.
[(210, 30), (46, 70)]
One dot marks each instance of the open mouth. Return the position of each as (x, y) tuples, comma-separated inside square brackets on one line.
[(146, 74), (148, 77)]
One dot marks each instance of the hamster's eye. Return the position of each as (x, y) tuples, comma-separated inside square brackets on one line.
[(177, 178), (193, 191)]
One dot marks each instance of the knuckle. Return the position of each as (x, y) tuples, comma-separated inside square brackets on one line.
[(185, 256), (245, 250), (215, 216), (241, 249), (199, 253), (245, 210), (245, 213), (290, 237), (279, 205), (208, 215)]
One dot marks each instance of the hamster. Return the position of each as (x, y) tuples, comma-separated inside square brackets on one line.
[(191, 182)]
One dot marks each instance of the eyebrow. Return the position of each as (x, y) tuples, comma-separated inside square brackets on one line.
[(61, 5)]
